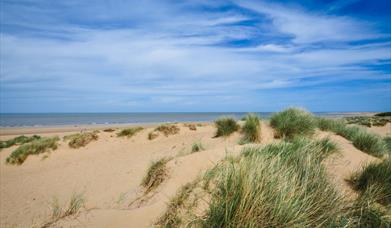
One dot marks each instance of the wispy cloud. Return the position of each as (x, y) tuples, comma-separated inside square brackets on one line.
[(167, 56)]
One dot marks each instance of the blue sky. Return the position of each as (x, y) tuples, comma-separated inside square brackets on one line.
[(197, 55)]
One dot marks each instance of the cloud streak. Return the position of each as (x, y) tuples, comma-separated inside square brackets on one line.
[(175, 57)]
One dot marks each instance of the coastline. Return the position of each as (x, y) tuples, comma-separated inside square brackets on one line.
[(12, 131), (43, 129)]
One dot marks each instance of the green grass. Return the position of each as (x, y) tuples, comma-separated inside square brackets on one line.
[(37, 146), (225, 126), (387, 141), (168, 129), (18, 141), (81, 139), (293, 122), (251, 129), (375, 175), (129, 132), (156, 174), (279, 185), (369, 143), (362, 139), (197, 147)]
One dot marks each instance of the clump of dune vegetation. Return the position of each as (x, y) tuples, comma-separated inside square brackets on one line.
[(152, 135), (168, 129), (37, 146), (191, 127), (81, 139), (197, 147), (368, 121), (129, 132), (367, 212), (251, 129), (76, 202), (18, 141), (171, 217), (279, 185), (383, 114), (109, 130), (376, 176), (362, 139), (226, 126), (387, 141), (293, 122), (156, 174)]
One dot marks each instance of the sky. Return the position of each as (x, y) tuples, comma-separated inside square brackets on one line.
[(194, 55)]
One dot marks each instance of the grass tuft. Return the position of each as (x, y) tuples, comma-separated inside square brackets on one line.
[(168, 129), (171, 218), (18, 141), (362, 139), (191, 127), (129, 132), (81, 139), (156, 174), (109, 130), (293, 122), (76, 202), (196, 147), (226, 126), (152, 135), (37, 146), (279, 185), (375, 175), (251, 129)]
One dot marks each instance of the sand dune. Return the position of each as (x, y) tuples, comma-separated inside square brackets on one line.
[(109, 172)]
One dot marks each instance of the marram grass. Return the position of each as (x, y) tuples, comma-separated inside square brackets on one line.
[(251, 129), (362, 139), (156, 174), (81, 139), (18, 141), (293, 122), (280, 185), (37, 146), (226, 126), (129, 132)]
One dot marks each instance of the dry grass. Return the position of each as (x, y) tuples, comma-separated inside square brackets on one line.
[(197, 147), (156, 174), (109, 130), (171, 217), (168, 129), (81, 139), (76, 202), (152, 135), (191, 127)]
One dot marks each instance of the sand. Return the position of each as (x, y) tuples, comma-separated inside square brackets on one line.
[(109, 171)]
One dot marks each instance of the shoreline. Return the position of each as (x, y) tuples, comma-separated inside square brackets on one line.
[(10, 131), (43, 129)]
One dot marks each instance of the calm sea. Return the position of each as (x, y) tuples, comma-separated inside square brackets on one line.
[(54, 119)]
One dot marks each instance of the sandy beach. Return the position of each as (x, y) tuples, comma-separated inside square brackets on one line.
[(108, 173)]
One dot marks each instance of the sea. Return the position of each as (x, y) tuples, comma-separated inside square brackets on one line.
[(67, 119)]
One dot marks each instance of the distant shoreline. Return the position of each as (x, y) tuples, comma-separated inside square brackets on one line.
[(97, 120), (59, 128)]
